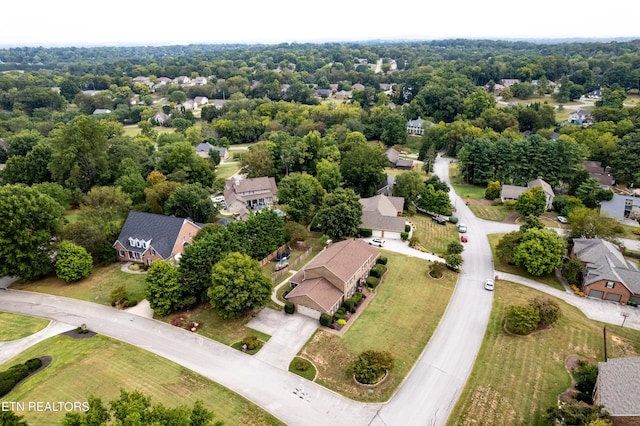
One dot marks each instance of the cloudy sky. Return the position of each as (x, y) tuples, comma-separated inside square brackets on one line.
[(165, 22)]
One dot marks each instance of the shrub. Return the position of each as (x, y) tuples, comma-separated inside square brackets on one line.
[(302, 365), (371, 365), (585, 376), (583, 397), (381, 269), (437, 269), (33, 364), (572, 271), (119, 295), (407, 227), (453, 219), (251, 341), (289, 308), (5, 386), (132, 303), (632, 303), (510, 204), (325, 320), (454, 261), (349, 305), (342, 321), (357, 297), (493, 190), (404, 236), (372, 282), (497, 202), (374, 273), (382, 260), (455, 248), (522, 319), (636, 231), (548, 310), (411, 211), (365, 233)]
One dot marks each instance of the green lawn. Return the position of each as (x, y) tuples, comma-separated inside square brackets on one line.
[(489, 212), (225, 171), (462, 189), (516, 378), (14, 326), (132, 130), (400, 319), (102, 366), (95, 288), (549, 279), (433, 236)]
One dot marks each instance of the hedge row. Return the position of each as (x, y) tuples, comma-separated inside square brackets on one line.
[(11, 377)]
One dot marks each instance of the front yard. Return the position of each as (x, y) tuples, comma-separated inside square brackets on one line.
[(431, 235), (400, 319)]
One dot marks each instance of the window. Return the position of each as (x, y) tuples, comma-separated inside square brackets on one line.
[(610, 284), (153, 252), (121, 253)]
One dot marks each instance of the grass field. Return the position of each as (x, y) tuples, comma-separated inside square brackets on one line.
[(462, 189), (549, 279), (226, 170), (432, 236), (132, 130), (489, 212), (95, 288), (101, 366), (516, 378), (14, 326), (400, 319)]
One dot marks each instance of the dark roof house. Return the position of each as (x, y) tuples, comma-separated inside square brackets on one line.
[(618, 389), (396, 161), (383, 215)]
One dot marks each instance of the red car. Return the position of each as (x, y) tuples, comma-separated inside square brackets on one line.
[(463, 238)]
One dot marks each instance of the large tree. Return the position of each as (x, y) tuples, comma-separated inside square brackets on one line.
[(73, 262), (540, 252), (409, 186), (341, 214), (28, 224), (238, 285), (626, 157), (590, 192), (328, 174), (257, 161), (164, 290), (192, 201), (394, 130), (302, 194), (531, 202), (588, 223), (363, 168)]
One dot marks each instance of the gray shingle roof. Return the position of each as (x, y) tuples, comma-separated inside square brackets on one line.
[(619, 386), (605, 262), (161, 231)]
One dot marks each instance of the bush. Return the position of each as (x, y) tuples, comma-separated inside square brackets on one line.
[(382, 260), (411, 211), (119, 295), (493, 190), (497, 202), (455, 248), (289, 308), (572, 271), (510, 204), (453, 219), (371, 366), (302, 365), (585, 376), (378, 271), (414, 241), (33, 364), (5, 386), (522, 319), (372, 282), (325, 320), (404, 236), (342, 321), (632, 303), (349, 305), (132, 303), (357, 297), (583, 397), (365, 233), (252, 342), (407, 227), (437, 269), (548, 310)]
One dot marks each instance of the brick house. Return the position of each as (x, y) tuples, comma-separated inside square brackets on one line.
[(383, 216), (331, 277), (607, 274), (146, 237), (243, 195)]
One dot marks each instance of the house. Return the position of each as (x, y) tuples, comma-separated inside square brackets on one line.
[(200, 81), (90, 92), (595, 94), (580, 116), (621, 207), (383, 215), (146, 237), (343, 95), (396, 162), (323, 93), (414, 127), (99, 111), (243, 195), (357, 86), (511, 192), (331, 277), (618, 389), (386, 186), (203, 151), (183, 79), (607, 274), (160, 118), (200, 101), (508, 82)]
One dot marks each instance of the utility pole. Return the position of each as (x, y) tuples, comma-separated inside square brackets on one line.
[(604, 331)]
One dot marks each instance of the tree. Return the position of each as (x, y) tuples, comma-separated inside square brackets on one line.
[(55, 191), (79, 154), (493, 191), (455, 247), (192, 201), (328, 174), (263, 233), (548, 310), (394, 130), (73, 262), (507, 246), (590, 192), (576, 414), (531, 202), (540, 252), (626, 157), (302, 194), (9, 418), (522, 319), (409, 186), (434, 201), (453, 261), (585, 376), (371, 366), (257, 161), (164, 290), (157, 194), (587, 223), (363, 168), (531, 222), (340, 214), (28, 223), (238, 285), (294, 231), (572, 271)]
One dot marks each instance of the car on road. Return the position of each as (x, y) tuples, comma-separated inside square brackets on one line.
[(462, 228), (562, 219), (377, 242), (463, 239), (489, 284)]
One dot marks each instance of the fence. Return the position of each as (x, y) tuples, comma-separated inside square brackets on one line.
[(277, 275), (285, 247)]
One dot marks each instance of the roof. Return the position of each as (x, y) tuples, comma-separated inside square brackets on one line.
[(544, 185), (342, 259), (619, 386), (386, 206), (604, 261), (392, 155), (255, 184), (415, 123), (319, 290), (204, 147), (388, 181), (615, 207), (512, 192), (152, 230)]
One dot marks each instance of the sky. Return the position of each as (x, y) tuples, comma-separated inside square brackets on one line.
[(170, 22)]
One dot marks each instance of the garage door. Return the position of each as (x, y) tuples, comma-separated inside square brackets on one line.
[(635, 299), (596, 293), (614, 297), (308, 312)]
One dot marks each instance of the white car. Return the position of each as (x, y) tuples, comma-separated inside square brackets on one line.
[(377, 242), (462, 228), (562, 219), (489, 284)]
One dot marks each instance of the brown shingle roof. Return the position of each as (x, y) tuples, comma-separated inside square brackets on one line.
[(319, 291), (381, 213)]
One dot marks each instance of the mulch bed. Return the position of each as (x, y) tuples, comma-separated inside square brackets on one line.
[(183, 321), (75, 335), (571, 362)]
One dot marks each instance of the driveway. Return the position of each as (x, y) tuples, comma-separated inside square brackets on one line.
[(402, 247), (10, 349), (289, 333)]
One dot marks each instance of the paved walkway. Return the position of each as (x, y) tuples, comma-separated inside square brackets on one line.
[(142, 309), (10, 349)]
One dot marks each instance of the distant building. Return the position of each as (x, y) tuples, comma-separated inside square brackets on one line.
[(414, 127), (511, 192)]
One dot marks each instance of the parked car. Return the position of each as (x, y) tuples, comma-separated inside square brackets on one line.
[(562, 219), (377, 242), (489, 284), (463, 238), (440, 220), (462, 228)]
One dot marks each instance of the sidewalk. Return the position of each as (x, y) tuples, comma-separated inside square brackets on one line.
[(10, 349)]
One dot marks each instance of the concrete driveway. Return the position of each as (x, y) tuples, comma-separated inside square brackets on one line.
[(10, 349), (288, 334)]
